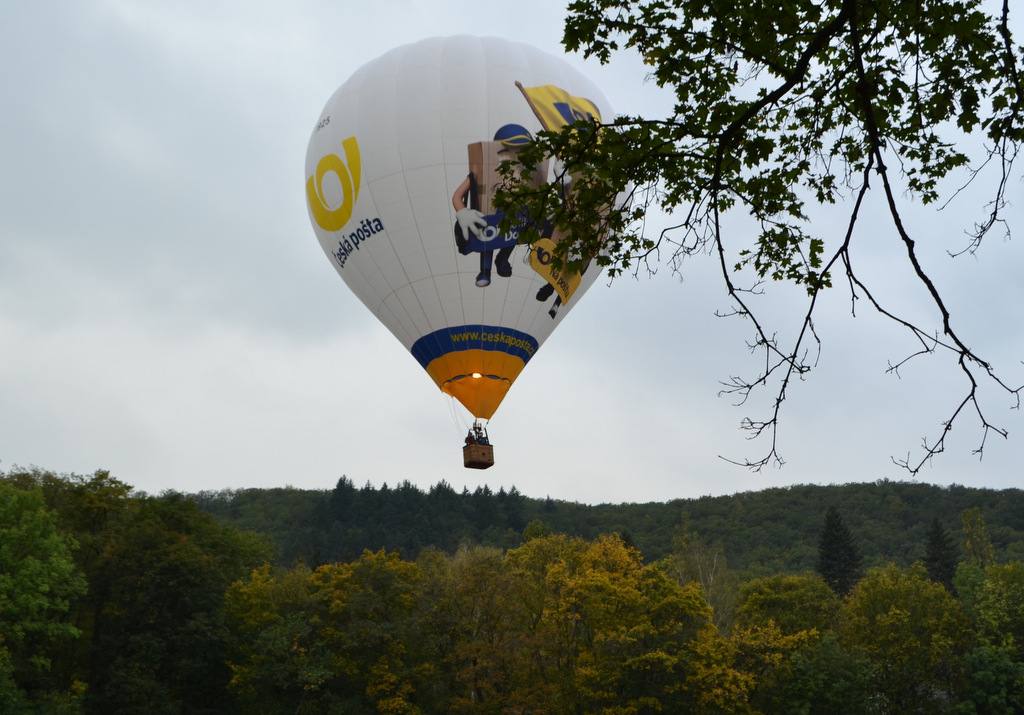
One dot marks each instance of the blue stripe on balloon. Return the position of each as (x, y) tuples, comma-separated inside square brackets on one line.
[(474, 337)]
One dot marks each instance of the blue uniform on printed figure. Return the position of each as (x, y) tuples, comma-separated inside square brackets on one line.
[(476, 219)]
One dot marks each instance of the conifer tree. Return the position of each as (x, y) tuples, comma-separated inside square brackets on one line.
[(839, 559), (940, 556), (342, 499)]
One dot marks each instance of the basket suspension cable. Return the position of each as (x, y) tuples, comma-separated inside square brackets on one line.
[(460, 425)]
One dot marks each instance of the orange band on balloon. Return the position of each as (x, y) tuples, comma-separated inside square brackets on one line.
[(453, 373)]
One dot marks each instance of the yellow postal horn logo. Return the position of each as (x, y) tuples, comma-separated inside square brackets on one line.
[(334, 219)]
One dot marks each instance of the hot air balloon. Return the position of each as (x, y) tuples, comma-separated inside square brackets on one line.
[(401, 171)]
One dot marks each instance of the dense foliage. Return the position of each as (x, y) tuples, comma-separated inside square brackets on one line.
[(117, 602), (758, 532), (124, 591)]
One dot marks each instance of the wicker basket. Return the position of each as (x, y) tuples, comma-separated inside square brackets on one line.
[(478, 456)]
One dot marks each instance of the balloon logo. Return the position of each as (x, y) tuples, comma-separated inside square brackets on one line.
[(490, 233), (335, 219), (421, 243)]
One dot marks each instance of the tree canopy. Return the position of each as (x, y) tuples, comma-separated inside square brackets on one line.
[(183, 613), (39, 580), (753, 533)]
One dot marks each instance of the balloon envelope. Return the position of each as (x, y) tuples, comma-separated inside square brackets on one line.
[(400, 178)]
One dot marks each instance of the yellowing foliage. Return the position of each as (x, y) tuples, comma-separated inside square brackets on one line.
[(566, 625)]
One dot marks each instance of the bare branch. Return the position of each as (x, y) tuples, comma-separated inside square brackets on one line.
[(966, 356)]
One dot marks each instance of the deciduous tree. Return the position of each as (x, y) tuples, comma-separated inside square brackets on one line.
[(159, 634), (693, 559), (38, 581), (912, 631), (780, 109), (793, 602), (824, 677), (999, 607), (978, 548)]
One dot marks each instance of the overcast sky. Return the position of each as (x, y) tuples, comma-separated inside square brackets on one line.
[(166, 311)]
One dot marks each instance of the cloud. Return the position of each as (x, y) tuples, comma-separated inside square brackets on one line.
[(165, 310)]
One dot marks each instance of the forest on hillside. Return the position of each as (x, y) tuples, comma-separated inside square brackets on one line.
[(757, 532), (114, 601)]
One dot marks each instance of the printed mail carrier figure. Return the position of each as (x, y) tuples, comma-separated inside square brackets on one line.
[(556, 109), (476, 219)]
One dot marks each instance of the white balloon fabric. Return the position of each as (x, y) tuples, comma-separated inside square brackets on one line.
[(400, 177)]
